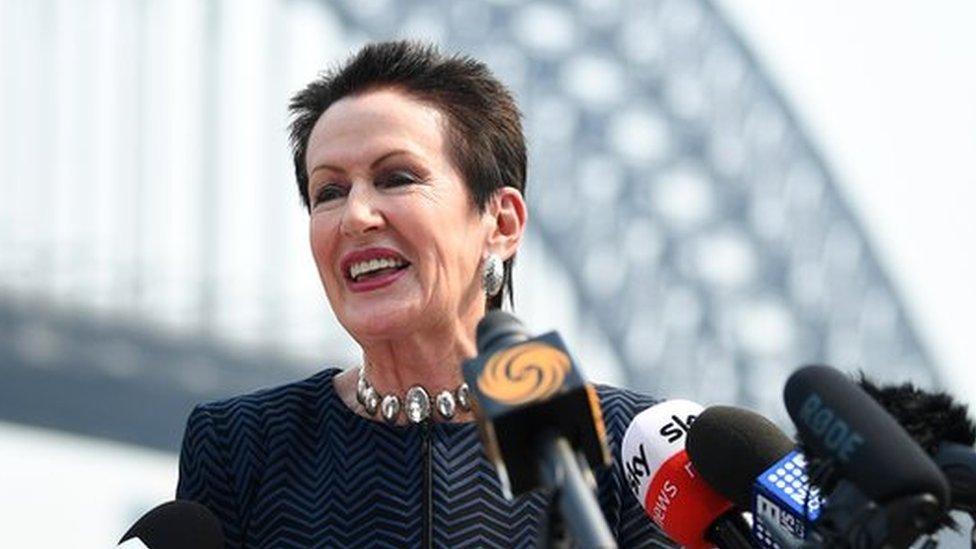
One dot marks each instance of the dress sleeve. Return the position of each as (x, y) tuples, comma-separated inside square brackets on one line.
[(205, 473)]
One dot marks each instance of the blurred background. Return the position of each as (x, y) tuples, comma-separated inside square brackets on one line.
[(719, 191)]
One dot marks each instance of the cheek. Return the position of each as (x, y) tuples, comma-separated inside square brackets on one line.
[(462, 249), (321, 241)]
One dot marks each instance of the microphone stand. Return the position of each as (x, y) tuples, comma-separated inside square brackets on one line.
[(560, 471), (731, 533)]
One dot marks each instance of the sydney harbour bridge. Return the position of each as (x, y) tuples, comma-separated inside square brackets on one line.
[(153, 252)]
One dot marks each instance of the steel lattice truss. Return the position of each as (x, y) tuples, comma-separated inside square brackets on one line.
[(699, 226)]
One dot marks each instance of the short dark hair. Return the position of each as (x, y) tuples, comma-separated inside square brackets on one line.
[(484, 126)]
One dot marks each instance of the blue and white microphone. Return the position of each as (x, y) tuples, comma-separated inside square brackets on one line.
[(749, 460)]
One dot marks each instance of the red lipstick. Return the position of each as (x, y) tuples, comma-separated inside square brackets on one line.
[(373, 282)]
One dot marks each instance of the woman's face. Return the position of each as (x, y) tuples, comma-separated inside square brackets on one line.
[(394, 233)]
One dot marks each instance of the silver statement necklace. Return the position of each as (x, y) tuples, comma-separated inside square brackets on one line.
[(416, 404)]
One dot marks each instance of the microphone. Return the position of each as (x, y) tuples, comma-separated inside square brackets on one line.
[(749, 460), (731, 447), (669, 489), (958, 463), (906, 493), (838, 420), (536, 414), (176, 525)]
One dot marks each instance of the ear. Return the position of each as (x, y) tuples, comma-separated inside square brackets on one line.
[(507, 216)]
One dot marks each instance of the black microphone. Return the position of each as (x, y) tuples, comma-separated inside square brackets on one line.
[(177, 525), (838, 420), (536, 414), (840, 424), (748, 459), (732, 446), (958, 463)]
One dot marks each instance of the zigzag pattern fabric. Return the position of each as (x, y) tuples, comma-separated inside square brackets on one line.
[(293, 467)]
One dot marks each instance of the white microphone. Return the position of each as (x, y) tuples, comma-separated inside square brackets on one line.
[(669, 489)]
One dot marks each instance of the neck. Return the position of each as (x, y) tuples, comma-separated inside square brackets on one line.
[(430, 358), (395, 366)]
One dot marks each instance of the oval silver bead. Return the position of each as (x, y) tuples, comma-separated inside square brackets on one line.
[(462, 397), (445, 404), (418, 404), (371, 400), (361, 387), (390, 408)]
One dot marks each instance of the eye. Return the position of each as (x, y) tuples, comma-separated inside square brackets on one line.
[(329, 191), (397, 178)]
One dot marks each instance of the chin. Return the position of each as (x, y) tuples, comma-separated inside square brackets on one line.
[(382, 322)]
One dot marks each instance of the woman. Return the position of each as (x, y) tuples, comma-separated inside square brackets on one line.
[(412, 167)]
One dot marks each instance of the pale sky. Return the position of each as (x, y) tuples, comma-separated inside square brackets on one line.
[(887, 92)]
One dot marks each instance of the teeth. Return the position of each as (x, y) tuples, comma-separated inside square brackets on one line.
[(363, 267)]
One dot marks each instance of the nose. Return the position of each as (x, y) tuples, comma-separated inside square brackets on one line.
[(361, 214)]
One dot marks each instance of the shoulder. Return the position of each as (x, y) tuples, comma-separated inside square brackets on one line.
[(264, 405), (312, 387), (227, 441)]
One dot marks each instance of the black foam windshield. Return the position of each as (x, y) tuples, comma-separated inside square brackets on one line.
[(730, 447)]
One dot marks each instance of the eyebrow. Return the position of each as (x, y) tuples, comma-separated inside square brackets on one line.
[(372, 165)]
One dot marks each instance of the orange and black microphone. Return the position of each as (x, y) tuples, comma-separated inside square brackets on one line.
[(537, 414)]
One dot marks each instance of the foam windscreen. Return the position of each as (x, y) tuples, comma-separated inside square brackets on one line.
[(731, 446)]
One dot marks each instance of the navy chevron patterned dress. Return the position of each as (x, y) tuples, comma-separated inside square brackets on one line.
[(294, 467)]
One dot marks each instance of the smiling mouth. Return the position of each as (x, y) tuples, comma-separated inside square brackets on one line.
[(375, 268)]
